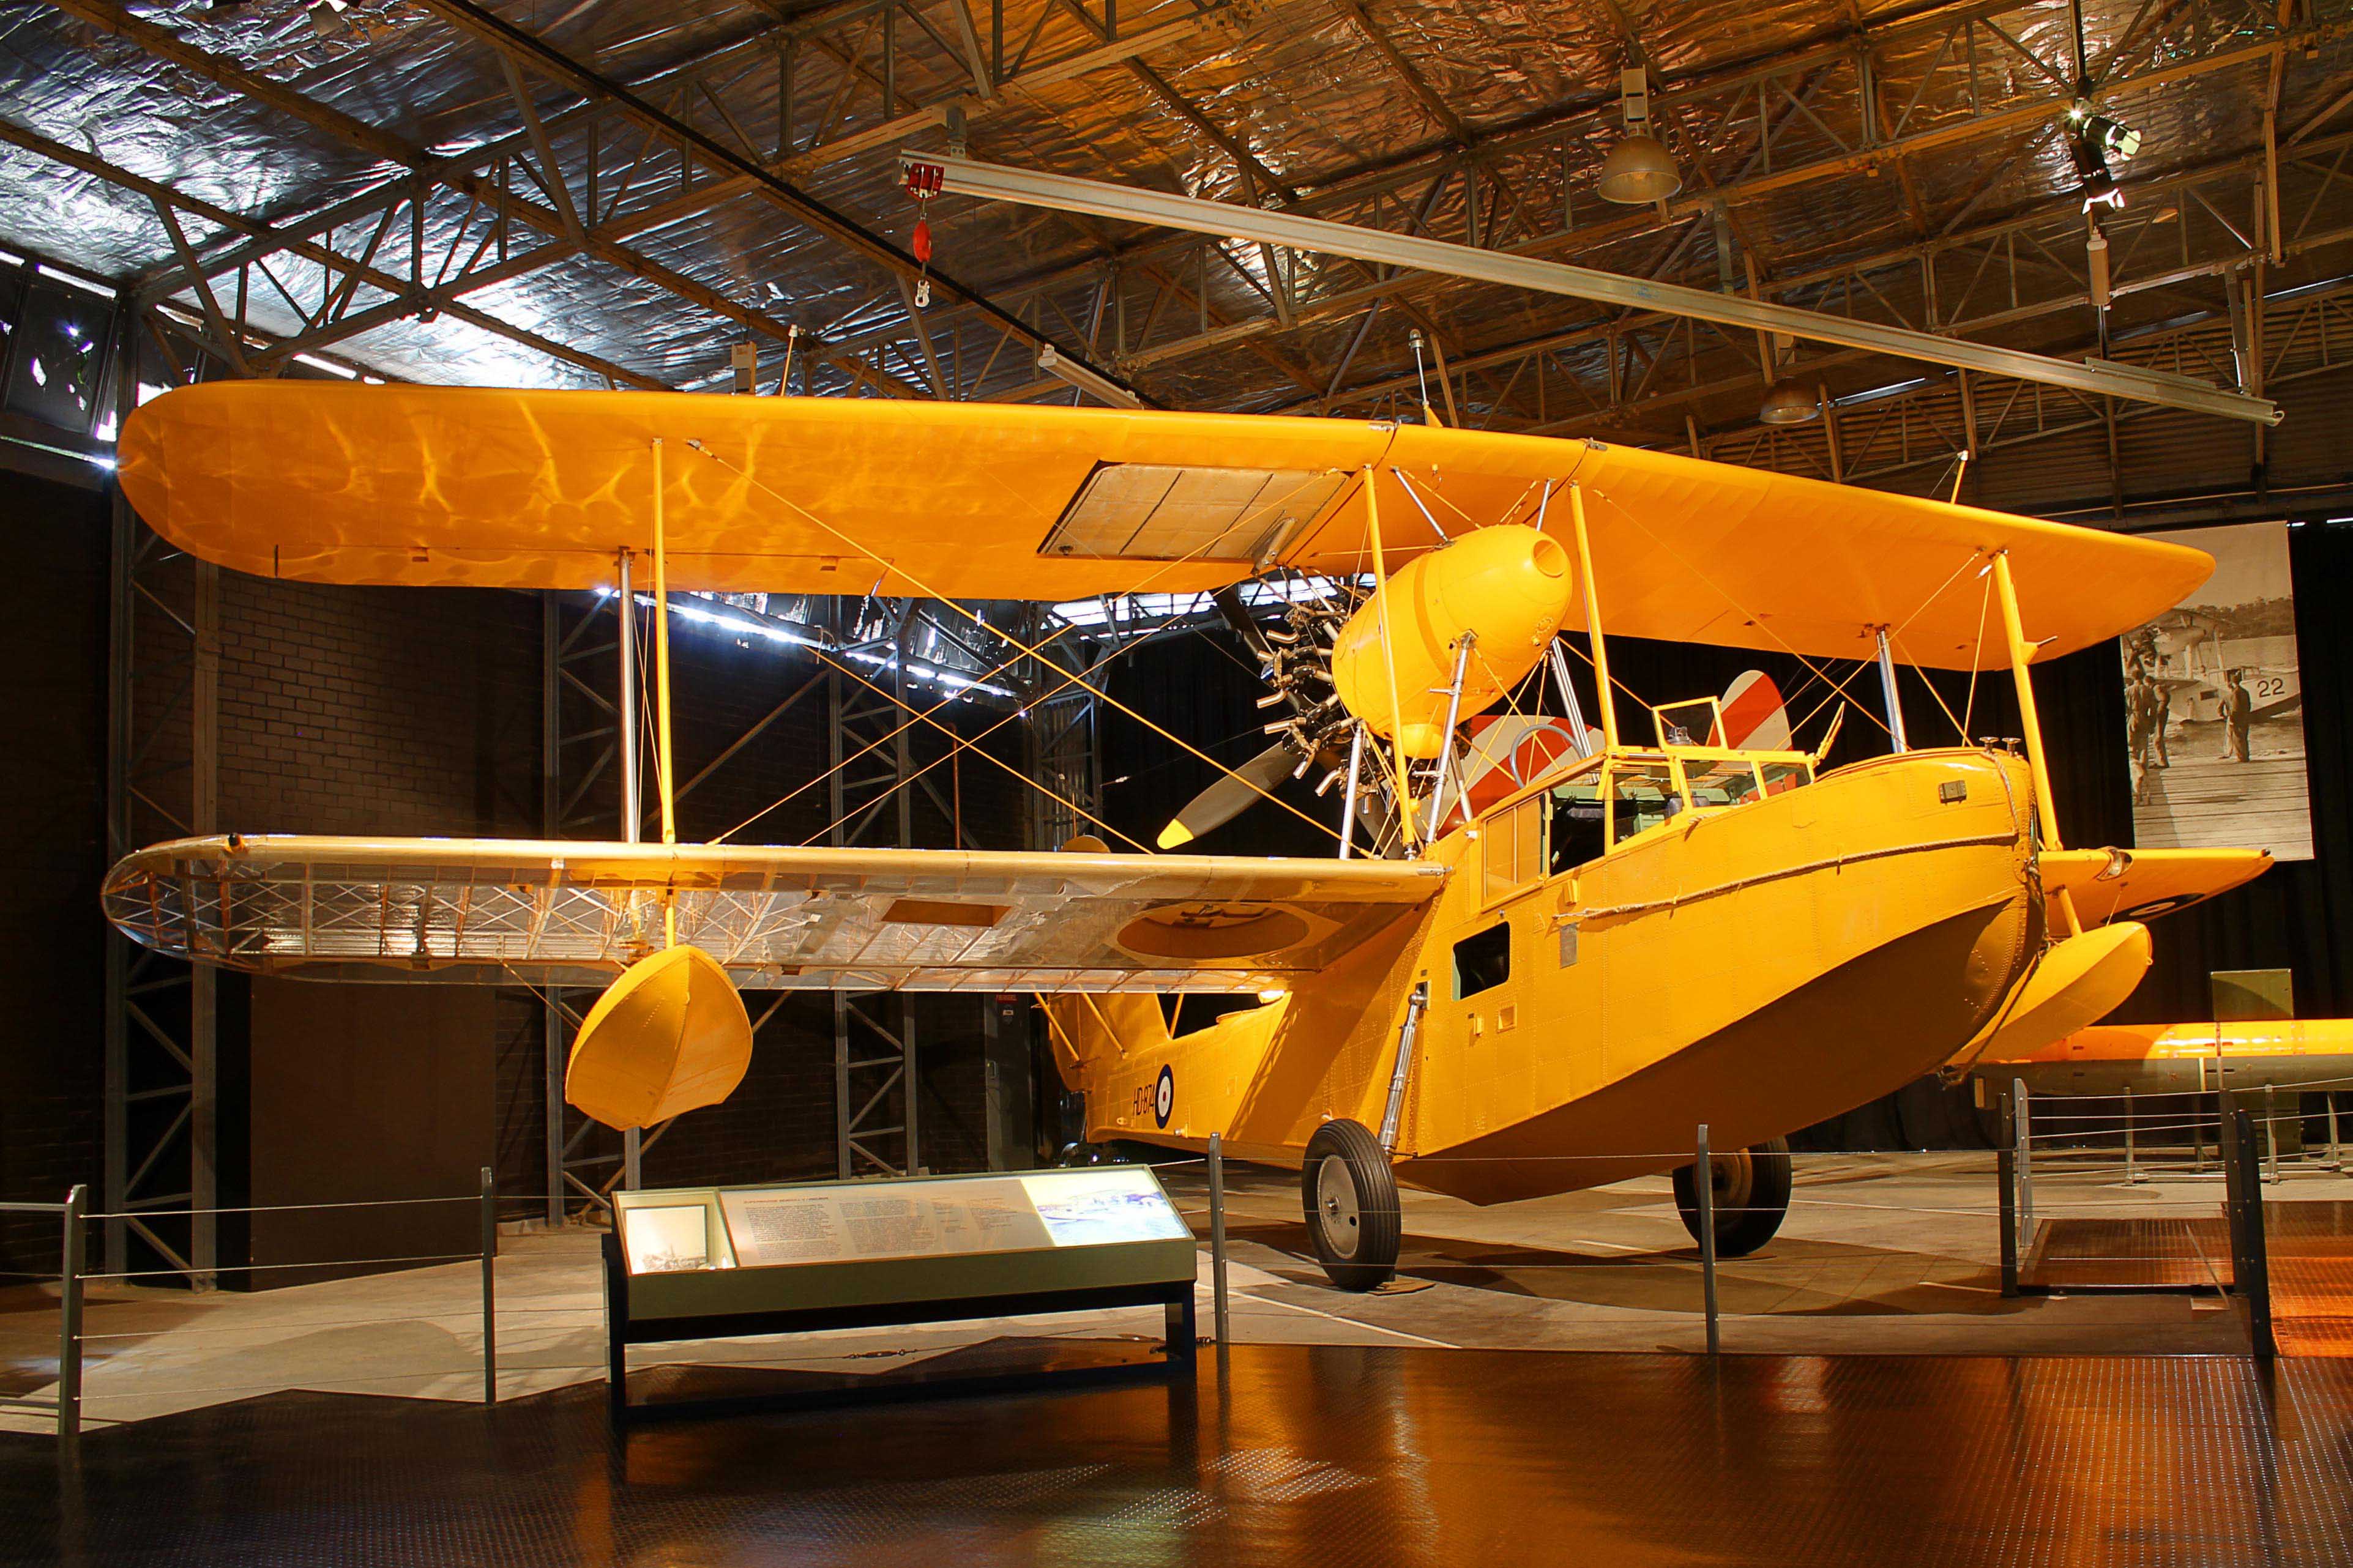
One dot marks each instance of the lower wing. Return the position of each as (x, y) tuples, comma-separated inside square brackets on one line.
[(495, 911)]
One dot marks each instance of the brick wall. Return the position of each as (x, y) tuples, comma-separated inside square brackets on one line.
[(378, 710), (52, 956)]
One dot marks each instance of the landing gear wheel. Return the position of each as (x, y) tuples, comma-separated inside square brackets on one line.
[(1749, 1191), (1351, 1198)]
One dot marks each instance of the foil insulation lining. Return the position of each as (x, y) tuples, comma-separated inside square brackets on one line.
[(1297, 88)]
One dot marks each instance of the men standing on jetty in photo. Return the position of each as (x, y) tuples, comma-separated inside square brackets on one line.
[(2144, 709), (2226, 656), (2238, 713)]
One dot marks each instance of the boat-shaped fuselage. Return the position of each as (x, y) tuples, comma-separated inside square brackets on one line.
[(1642, 942)]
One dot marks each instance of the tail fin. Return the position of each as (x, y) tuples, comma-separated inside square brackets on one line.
[(1755, 717), (1092, 1032)]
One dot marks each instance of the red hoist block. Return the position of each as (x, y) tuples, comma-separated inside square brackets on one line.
[(925, 181), (922, 241)]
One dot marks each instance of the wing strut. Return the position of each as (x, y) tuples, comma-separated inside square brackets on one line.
[(1593, 620), (1389, 655), (2021, 652)]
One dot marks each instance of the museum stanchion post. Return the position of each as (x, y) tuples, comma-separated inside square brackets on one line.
[(2250, 1254), (2022, 1114), (71, 1260), (490, 1287), (2005, 1159), (2132, 1176), (1704, 1186), (2271, 1135), (69, 1291), (1218, 1237)]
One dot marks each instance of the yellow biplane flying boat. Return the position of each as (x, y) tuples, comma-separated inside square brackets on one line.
[(1554, 993)]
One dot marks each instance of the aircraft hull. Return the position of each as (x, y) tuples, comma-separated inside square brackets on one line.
[(1756, 968), (1836, 1042), (1878, 924)]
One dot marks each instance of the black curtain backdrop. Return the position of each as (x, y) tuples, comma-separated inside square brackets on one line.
[(1201, 686)]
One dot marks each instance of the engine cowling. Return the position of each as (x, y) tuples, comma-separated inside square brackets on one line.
[(1511, 584)]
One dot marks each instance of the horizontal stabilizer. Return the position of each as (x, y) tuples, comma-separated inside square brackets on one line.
[(2142, 884)]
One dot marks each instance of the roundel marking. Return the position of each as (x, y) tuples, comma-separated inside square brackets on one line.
[(1164, 1098)]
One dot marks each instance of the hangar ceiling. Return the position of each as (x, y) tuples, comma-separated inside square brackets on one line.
[(618, 192)]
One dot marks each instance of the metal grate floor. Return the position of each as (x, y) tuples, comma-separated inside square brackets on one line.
[(2074, 1252), (2311, 1246), (1294, 1454)]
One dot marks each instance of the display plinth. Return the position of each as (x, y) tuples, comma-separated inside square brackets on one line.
[(725, 1262)]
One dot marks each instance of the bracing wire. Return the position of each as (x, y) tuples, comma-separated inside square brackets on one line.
[(986, 674), (962, 744), (928, 592)]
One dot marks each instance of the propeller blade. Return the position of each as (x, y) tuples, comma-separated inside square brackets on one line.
[(1230, 795), (1229, 600)]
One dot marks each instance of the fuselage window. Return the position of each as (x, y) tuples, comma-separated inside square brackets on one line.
[(1509, 840), (1183, 1012), (1720, 783), (1482, 961), (1779, 776), (1578, 835), (1641, 796)]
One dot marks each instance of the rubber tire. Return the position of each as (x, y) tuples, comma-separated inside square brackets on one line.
[(1745, 1220), (1370, 1261)]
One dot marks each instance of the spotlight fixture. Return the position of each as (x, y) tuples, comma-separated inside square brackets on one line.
[(1639, 171), (1787, 403), (2110, 136), (2092, 137)]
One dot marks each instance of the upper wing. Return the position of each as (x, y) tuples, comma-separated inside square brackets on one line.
[(495, 911), (1687, 551), (345, 482)]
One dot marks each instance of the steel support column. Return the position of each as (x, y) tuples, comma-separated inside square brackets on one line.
[(584, 1160), (876, 1110), (1061, 746), (163, 758), (555, 1029)]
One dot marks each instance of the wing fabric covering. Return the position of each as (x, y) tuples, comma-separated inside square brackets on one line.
[(354, 483), (500, 911)]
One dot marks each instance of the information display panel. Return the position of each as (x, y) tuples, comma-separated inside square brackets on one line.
[(781, 1225), (916, 1219), (716, 1262), (674, 1232), (1105, 1204), (716, 1249)]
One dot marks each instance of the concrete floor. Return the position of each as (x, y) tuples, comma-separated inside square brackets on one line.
[(1880, 1254)]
